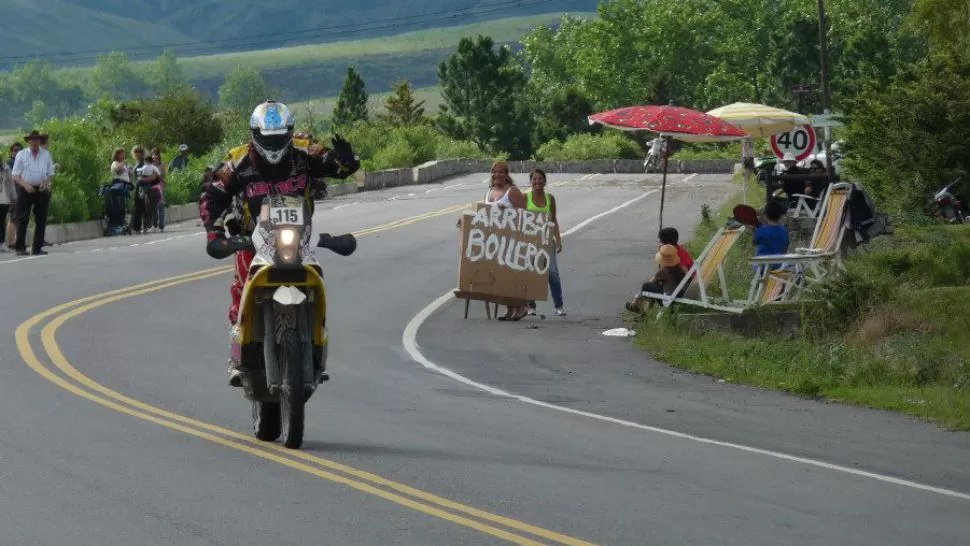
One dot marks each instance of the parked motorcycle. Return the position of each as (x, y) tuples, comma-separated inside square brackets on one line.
[(281, 336), (946, 205)]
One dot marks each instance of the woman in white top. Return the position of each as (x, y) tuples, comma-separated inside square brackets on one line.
[(503, 193), (119, 167)]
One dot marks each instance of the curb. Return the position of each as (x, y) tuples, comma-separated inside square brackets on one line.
[(426, 173)]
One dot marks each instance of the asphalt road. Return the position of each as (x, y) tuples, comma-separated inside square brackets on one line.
[(119, 427)]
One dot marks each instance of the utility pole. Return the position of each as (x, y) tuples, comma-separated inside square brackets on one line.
[(826, 92)]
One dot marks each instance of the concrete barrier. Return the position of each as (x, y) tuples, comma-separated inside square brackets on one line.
[(426, 173)]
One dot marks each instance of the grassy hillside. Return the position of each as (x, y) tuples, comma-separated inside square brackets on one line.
[(312, 21), (501, 30), (324, 107), (74, 32), (59, 25)]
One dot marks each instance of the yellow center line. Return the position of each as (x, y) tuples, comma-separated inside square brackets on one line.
[(241, 442)]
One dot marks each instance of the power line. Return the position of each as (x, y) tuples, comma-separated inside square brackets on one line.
[(330, 31)]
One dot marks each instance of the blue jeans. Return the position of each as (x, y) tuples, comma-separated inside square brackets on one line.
[(555, 285)]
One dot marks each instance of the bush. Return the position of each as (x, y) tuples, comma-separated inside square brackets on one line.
[(584, 147), (83, 158), (382, 146)]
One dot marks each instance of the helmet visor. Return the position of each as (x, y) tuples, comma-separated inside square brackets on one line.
[(275, 142)]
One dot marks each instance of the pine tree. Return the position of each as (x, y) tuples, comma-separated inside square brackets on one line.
[(352, 103), (402, 109)]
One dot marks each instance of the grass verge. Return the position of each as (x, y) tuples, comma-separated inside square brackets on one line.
[(892, 333)]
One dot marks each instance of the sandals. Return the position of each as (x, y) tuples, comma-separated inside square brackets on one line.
[(510, 316)]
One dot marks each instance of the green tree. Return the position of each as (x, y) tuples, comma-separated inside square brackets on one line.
[(906, 139), (352, 102), (946, 23), (483, 91), (243, 89), (402, 108), (114, 77), (167, 75), (563, 115), (179, 116), (37, 81)]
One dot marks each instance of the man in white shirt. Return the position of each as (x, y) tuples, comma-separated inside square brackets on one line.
[(33, 169)]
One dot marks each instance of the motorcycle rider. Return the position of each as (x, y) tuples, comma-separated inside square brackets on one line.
[(271, 160)]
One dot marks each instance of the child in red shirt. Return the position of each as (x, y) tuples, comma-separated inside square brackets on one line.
[(670, 236)]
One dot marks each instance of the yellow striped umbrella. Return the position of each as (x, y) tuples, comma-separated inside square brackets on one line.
[(759, 120)]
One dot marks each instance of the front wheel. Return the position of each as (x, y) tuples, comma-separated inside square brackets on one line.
[(292, 395)]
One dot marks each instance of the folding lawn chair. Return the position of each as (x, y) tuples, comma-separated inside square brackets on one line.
[(709, 263)]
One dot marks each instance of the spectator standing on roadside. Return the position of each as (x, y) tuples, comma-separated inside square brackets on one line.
[(138, 210), (119, 167), (8, 192), (11, 227), (541, 201), (180, 161), (148, 177), (33, 170), (159, 190)]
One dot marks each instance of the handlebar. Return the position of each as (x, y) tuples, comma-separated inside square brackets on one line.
[(345, 244)]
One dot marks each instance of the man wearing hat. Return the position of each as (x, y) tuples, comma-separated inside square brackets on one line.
[(33, 170), (180, 161)]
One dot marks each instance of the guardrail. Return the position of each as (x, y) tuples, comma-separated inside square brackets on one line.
[(426, 173)]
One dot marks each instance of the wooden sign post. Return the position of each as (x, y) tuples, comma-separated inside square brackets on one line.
[(504, 257)]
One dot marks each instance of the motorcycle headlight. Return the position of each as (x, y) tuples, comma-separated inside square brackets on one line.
[(287, 247), (287, 236)]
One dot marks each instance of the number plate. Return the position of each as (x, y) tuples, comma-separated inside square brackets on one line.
[(286, 216)]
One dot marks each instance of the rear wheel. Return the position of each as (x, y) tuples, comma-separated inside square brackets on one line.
[(292, 397), (266, 421)]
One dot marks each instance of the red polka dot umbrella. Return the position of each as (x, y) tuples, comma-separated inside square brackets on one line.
[(669, 122)]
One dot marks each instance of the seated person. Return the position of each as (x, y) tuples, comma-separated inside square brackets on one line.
[(771, 237), (670, 236), (665, 281)]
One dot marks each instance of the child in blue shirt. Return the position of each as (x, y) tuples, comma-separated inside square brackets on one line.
[(771, 238)]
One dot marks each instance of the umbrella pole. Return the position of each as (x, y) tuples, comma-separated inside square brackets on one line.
[(663, 183)]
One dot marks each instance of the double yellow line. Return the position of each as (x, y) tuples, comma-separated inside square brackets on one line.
[(412, 220), (74, 381)]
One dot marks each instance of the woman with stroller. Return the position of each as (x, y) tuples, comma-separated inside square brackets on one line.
[(115, 193)]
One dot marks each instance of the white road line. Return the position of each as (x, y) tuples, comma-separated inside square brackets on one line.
[(107, 249), (338, 207), (409, 339)]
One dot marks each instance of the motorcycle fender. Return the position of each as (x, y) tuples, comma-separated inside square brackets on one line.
[(289, 295)]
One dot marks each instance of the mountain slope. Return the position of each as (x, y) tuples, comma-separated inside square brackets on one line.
[(70, 29), (34, 28)]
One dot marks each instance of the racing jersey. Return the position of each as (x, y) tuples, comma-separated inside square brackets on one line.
[(245, 176)]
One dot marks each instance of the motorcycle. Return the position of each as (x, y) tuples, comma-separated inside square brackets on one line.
[(280, 337), (654, 155), (948, 206)]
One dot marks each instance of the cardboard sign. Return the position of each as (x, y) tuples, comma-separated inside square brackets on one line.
[(504, 254)]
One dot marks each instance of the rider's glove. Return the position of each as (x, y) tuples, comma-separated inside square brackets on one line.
[(344, 155), (217, 246)]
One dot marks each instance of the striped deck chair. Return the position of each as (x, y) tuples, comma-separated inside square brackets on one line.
[(772, 286), (823, 255), (706, 266)]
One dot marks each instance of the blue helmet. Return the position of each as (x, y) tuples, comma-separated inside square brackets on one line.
[(271, 125)]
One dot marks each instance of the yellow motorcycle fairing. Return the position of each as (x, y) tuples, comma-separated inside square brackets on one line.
[(267, 277)]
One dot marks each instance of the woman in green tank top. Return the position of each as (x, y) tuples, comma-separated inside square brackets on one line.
[(538, 200)]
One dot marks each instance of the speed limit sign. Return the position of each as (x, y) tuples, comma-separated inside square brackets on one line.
[(799, 141)]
